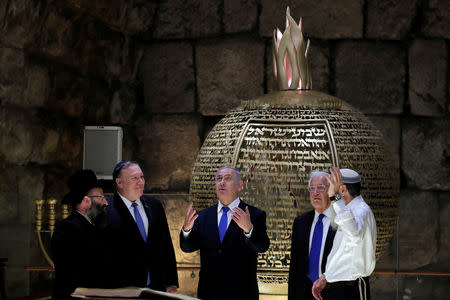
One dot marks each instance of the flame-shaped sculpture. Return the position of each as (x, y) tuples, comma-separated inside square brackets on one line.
[(290, 56)]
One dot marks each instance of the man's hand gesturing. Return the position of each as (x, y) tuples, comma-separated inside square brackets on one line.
[(191, 215), (335, 181)]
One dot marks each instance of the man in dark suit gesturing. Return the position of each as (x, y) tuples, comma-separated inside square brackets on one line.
[(139, 239), (312, 236), (229, 235)]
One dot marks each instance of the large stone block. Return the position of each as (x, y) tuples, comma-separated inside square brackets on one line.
[(390, 19), (14, 245), (56, 182), (424, 287), (19, 187), (188, 19), (425, 157), (128, 16), (167, 73), (140, 17), (168, 145), (321, 19), (21, 83), (85, 43), (16, 136), (12, 81), (240, 15), (390, 128), (371, 76), (13, 64), (175, 207), (418, 226), (444, 233), (56, 38), (37, 86), (188, 263), (227, 72), (123, 105), (21, 21), (67, 94), (428, 60), (437, 19), (384, 287), (111, 12), (38, 137)]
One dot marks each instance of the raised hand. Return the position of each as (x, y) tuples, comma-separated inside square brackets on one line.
[(191, 215), (335, 181), (242, 219)]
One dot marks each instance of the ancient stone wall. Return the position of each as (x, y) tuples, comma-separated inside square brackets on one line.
[(166, 71)]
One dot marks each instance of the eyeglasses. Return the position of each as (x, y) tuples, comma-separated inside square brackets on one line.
[(97, 196), (227, 179), (320, 188), (136, 178)]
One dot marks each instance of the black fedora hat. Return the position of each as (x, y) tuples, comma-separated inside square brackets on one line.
[(79, 184)]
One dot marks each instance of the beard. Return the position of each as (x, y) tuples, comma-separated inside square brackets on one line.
[(97, 214)]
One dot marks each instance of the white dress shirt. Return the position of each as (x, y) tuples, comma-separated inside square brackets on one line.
[(231, 206), (140, 208), (326, 225), (353, 252)]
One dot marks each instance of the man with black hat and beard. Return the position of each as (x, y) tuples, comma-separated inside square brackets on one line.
[(76, 245)]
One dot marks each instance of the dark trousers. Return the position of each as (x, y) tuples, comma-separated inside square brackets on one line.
[(347, 290)]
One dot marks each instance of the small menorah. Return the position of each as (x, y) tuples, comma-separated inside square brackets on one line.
[(51, 215)]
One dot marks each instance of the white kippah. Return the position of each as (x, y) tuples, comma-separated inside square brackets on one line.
[(350, 176)]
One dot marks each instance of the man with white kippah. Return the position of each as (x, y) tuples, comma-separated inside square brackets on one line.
[(352, 258)]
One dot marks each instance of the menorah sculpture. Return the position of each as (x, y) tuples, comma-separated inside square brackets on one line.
[(51, 215)]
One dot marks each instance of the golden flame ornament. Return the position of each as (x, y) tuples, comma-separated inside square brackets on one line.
[(290, 56)]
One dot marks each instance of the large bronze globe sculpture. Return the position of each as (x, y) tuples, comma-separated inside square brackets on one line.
[(278, 139)]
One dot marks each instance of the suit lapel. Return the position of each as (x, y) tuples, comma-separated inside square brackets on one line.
[(233, 228), (309, 221), (127, 218), (148, 211), (212, 225)]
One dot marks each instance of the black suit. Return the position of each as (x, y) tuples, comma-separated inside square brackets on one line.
[(131, 257), (77, 255), (228, 270), (299, 283)]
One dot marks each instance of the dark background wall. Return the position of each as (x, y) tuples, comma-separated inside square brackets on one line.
[(167, 70)]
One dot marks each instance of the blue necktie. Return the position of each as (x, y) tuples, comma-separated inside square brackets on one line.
[(314, 254), (223, 222), (140, 225), (139, 221)]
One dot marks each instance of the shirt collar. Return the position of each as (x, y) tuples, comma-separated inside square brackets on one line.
[(86, 217), (326, 212), (128, 203), (355, 201), (232, 205)]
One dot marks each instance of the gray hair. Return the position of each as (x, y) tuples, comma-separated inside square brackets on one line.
[(236, 171), (316, 173)]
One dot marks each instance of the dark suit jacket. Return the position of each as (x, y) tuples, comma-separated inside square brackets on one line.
[(132, 258), (228, 270), (76, 249), (299, 283)]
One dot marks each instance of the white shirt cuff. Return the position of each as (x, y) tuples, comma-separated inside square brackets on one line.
[(185, 233)]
